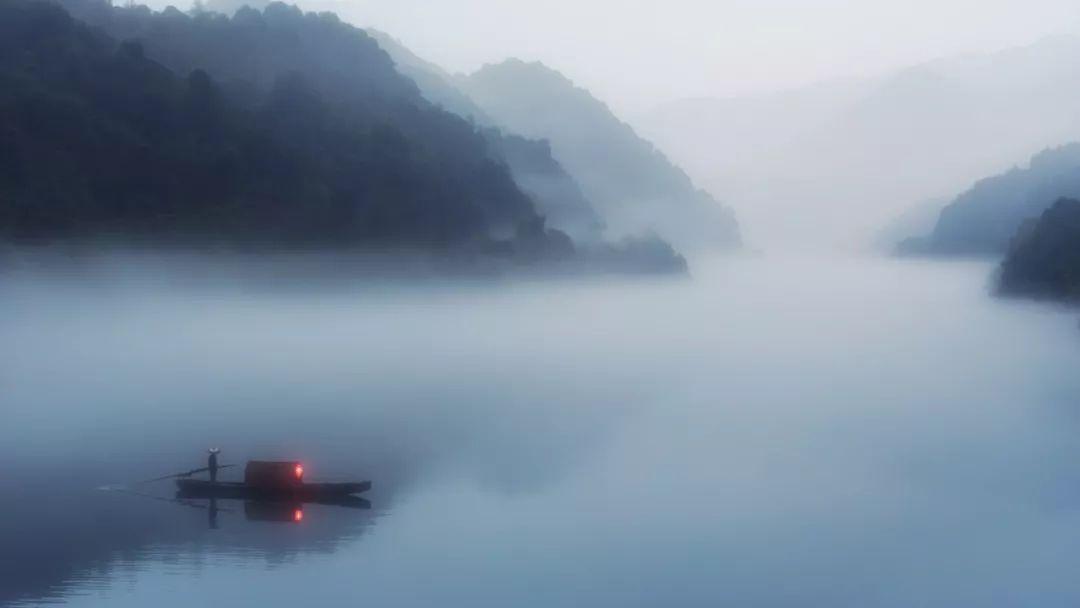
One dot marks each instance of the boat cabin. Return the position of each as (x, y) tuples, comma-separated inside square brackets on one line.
[(265, 474)]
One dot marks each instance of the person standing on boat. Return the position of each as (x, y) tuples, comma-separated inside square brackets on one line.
[(212, 465)]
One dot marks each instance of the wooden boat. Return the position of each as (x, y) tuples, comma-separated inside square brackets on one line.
[(270, 481), (304, 492)]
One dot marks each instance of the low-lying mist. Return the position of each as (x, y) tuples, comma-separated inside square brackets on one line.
[(258, 359), (882, 433)]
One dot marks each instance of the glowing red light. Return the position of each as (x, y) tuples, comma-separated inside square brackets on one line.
[(298, 515), (299, 471)]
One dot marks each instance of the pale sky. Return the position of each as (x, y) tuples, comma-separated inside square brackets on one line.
[(637, 53)]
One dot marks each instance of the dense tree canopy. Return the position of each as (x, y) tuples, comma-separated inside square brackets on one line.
[(99, 139), (268, 129), (984, 219), (1044, 260)]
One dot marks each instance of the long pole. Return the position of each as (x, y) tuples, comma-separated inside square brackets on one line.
[(184, 474)]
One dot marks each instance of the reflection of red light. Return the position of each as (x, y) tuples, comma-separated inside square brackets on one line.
[(298, 515), (299, 471)]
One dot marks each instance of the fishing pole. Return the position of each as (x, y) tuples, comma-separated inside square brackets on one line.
[(185, 474)]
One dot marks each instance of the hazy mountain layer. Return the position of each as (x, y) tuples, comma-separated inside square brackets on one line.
[(913, 223), (633, 186), (984, 219), (834, 162), (286, 130), (557, 195), (436, 84)]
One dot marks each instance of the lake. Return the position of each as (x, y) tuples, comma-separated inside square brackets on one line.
[(775, 431)]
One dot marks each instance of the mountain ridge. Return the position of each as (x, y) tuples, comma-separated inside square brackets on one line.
[(265, 130), (634, 185), (984, 219), (860, 151)]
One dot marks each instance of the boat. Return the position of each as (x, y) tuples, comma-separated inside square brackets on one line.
[(271, 481), (305, 492)]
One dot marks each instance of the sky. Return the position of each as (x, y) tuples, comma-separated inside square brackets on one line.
[(636, 53)]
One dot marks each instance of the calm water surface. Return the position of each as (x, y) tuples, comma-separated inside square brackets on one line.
[(775, 432)]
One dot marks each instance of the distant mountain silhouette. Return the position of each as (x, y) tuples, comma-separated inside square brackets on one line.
[(913, 223), (435, 83), (856, 153), (633, 186), (557, 195), (984, 219)]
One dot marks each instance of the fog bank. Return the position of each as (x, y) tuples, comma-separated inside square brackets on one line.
[(880, 431)]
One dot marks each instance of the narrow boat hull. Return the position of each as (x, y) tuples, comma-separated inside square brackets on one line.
[(305, 492)]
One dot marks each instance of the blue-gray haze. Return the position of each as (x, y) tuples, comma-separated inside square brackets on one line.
[(774, 431)]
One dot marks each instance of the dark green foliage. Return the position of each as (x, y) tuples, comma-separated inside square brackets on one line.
[(326, 146), (984, 220), (1044, 260)]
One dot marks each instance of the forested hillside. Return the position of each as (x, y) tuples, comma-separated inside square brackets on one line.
[(984, 219), (269, 130), (633, 185), (100, 139), (1044, 260), (557, 194)]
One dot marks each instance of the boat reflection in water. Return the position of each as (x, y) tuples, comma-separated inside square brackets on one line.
[(288, 512), (274, 511), (71, 537)]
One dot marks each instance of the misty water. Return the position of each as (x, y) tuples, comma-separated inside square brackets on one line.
[(774, 431)]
